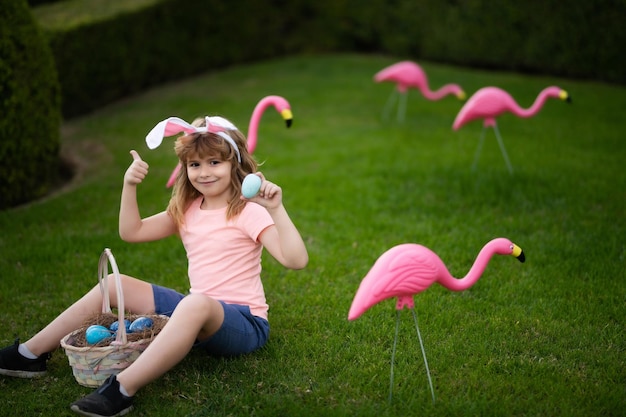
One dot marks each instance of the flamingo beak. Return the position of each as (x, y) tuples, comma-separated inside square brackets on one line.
[(564, 95), (286, 114), (518, 253)]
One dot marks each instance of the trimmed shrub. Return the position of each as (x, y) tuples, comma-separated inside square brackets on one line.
[(30, 108), (106, 58), (103, 57)]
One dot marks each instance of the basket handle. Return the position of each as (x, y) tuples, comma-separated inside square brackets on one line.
[(103, 275)]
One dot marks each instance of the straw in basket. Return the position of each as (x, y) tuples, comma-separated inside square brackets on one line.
[(92, 365)]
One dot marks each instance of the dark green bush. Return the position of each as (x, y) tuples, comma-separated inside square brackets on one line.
[(580, 39), (103, 59), (30, 108)]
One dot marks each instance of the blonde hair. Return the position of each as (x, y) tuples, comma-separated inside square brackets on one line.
[(204, 145)]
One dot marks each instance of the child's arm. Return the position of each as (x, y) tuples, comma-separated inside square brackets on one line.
[(282, 241), (132, 227)]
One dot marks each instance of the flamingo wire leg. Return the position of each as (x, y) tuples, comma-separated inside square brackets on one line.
[(393, 356), (430, 382), (504, 154), (478, 149), (389, 104), (402, 107)]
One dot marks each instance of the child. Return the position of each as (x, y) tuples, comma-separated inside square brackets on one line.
[(223, 233)]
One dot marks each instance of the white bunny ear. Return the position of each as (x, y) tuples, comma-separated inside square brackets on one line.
[(168, 127), (174, 125), (220, 122)]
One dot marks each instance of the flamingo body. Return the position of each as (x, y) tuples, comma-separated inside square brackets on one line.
[(409, 268), (281, 105), (490, 102), (408, 74)]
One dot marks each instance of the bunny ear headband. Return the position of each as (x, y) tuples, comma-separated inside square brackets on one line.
[(174, 125)]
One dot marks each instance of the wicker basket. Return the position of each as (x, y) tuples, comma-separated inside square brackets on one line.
[(92, 365)]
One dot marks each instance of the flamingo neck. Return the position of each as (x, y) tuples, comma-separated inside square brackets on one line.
[(475, 272), (536, 106), (255, 120), (439, 94)]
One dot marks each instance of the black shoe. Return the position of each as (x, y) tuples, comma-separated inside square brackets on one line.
[(105, 401), (12, 363)]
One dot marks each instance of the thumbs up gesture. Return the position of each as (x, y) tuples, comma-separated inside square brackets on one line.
[(137, 170)]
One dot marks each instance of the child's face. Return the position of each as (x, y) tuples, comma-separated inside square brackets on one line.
[(211, 176)]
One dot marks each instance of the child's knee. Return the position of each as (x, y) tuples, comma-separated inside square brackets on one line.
[(199, 302)]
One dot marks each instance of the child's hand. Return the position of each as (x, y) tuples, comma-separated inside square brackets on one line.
[(270, 195), (137, 170)]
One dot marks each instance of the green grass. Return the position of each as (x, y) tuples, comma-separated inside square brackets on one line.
[(543, 338)]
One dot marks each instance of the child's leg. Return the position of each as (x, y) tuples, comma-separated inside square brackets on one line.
[(195, 317), (138, 298)]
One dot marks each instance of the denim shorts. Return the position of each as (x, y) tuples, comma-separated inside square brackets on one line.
[(240, 333)]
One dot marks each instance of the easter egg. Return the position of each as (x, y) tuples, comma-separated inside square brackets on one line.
[(115, 325), (96, 333), (251, 185), (140, 324)]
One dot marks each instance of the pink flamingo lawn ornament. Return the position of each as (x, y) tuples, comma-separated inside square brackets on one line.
[(490, 102), (408, 269), (408, 74), (281, 105)]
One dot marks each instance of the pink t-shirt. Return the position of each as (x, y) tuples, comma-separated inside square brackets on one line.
[(225, 257)]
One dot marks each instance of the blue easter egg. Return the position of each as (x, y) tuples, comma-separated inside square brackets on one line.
[(116, 325), (140, 324), (96, 333), (251, 185)]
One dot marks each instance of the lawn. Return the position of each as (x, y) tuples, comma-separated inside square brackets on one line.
[(541, 338)]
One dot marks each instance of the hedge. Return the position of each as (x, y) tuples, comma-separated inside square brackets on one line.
[(172, 39), (30, 108)]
